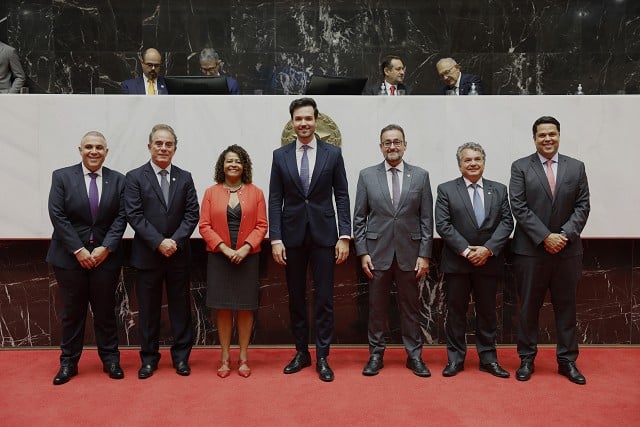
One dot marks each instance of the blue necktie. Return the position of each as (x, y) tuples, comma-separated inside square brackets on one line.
[(304, 169), (478, 207)]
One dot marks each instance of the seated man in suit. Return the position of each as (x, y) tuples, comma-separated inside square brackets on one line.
[(12, 75), (474, 220), (393, 234), (392, 84), (87, 212), (150, 83), (210, 65), (454, 80)]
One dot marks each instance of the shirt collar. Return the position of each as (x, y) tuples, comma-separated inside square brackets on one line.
[(313, 144), (400, 166), (86, 171), (157, 169), (543, 159), (467, 183)]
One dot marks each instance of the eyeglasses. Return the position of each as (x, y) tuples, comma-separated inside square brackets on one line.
[(150, 65), (209, 69), (396, 143), (445, 73)]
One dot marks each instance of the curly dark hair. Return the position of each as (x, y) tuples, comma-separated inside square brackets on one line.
[(244, 159)]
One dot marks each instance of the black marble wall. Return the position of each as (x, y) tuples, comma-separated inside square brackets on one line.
[(517, 46), (608, 300)]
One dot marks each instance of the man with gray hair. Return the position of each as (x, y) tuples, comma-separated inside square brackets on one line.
[(455, 82), (474, 220), (210, 66)]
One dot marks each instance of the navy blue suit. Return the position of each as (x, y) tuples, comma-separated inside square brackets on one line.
[(72, 227), (307, 227), (153, 221), (465, 84), (137, 87), (232, 85)]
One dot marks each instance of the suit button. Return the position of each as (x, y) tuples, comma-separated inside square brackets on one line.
[(306, 201)]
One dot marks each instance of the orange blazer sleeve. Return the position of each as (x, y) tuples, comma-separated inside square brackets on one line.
[(213, 218), (253, 226)]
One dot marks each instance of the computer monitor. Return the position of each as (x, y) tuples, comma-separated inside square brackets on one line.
[(330, 85), (196, 85)]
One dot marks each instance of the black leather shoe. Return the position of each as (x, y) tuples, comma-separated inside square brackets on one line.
[(570, 370), (182, 368), (494, 369), (373, 366), (452, 369), (114, 370), (146, 371), (525, 370), (418, 367), (300, 360), (324, 370), (64, 374)]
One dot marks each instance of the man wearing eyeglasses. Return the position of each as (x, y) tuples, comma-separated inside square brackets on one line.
[(210, 66), (150, 83), (456, 82), (161, 205), (393, 234)]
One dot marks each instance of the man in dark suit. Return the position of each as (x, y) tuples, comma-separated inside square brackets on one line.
[(210, 65), (12, 76), (474, 220), (392, 83), (150, 83), (305, 177), (87, 213), (393, 233), (550, 201), (455, 82), (162, 207)]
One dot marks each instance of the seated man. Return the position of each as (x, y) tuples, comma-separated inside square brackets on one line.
[(210, 65), (392, 83), (150, 83), (454, 80), (12, 75)]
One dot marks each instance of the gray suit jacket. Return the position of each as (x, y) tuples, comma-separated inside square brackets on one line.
[(381, 231), (457, 225), (12, 75), (538, 214)]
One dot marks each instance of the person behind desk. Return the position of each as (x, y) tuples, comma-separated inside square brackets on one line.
[(87, 212), (233, 223), (392, 83), (454, 80), (210, 65), (150, 83), (12, 75)]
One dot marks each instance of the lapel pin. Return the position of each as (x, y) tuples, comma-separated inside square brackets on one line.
[(173, 179)]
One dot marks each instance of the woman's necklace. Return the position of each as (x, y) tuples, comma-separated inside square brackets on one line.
[(233, 189)]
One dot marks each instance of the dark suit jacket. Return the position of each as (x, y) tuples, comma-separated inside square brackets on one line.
[(71, 217), (375, 89), (290, 210), (457, 225), (136, 86), (153, 221), (232, 85), (465, 84), (538, 214), (382, 231)]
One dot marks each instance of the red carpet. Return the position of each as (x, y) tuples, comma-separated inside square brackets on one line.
[(270, 398)]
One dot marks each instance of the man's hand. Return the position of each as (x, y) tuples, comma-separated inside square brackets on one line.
[(168, 247), (555, 242), (99, 254), (85, 259), (279, 253), (367, 265), (342, 250), (422, 267), (478, 255)]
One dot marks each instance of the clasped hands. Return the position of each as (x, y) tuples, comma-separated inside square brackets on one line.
[(235, 255), (89, 260), (555, 242), (168, 247)]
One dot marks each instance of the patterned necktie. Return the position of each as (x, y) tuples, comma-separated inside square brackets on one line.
[(304, 169), (478, 206), (550, 177), (151, 90), (393, 90), (164, 185), (395, 188), (94, 199)]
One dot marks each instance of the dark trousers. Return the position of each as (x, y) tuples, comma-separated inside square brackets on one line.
[(483, 287), (149, 290), (560, 276), (322, 260), (408, 302), (79, 289)]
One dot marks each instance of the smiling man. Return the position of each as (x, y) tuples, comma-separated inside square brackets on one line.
[(550, 201), (455, 82), (306, 175), (474, 220), (162, 207), (393, 233), (393, 71)]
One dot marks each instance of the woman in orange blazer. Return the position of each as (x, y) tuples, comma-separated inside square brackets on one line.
[(233, 223)]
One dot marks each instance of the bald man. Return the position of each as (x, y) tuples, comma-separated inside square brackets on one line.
[(150, 83), (454, 80)]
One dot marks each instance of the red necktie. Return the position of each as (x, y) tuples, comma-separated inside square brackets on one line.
[(393, 90)]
